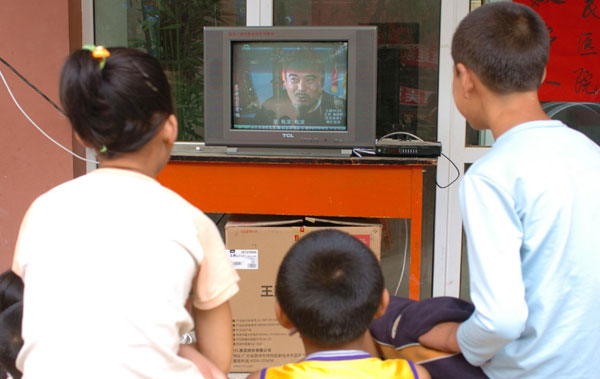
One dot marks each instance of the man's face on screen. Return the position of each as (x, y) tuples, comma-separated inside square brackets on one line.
[(304, 88)]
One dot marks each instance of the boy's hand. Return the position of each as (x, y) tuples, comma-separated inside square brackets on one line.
[(442, 337)]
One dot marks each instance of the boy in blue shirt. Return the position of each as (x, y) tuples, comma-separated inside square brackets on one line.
[(530, 207)]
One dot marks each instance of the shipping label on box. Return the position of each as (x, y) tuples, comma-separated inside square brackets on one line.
[(256, 246), (244, 259)]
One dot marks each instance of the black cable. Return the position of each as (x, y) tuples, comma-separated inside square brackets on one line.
[(457, 171), (220, 218), (32, 86), (444, 155)]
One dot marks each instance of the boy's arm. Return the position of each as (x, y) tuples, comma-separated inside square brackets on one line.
[(254, 375), (494, 239), (422, 372), (442, 337), (214, 334)]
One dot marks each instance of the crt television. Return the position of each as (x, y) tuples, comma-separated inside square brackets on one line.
[(290, 88)]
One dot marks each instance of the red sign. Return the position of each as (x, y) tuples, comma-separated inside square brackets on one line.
[(419, 55), (363, 237), (573, 72), (413, 96)]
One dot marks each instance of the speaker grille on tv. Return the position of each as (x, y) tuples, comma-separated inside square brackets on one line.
[(366, 85), (213, 83)]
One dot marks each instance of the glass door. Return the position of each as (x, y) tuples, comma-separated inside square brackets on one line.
[(172, 31)]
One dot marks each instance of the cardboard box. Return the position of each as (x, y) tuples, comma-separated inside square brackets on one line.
[(257, 245)]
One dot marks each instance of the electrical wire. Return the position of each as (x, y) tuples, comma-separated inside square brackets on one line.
[(457, 173), (444, 155), (358, 152), (403, 133), (36, 126), (32, 86), (220, 218), (404, 258)]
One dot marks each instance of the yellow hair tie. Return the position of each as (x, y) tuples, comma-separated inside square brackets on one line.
[(98, 52)]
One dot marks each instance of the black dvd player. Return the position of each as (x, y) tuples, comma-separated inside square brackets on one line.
[(403, 148)]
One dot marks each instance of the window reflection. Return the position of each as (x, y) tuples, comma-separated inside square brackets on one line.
[(172, 31), (584, 117), (408, 38), (407, 99)]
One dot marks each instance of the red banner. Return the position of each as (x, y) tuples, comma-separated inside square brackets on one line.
[(413, 96), (419, 55), (573, 72)]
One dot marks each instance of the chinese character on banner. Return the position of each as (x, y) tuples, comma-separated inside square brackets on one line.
[(413, 96), (419, 55), (573, 72)]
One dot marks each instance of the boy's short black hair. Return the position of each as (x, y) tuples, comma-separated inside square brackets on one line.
[(506, 44), (330, 285)]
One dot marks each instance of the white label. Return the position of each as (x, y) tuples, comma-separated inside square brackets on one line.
[(244, 259)]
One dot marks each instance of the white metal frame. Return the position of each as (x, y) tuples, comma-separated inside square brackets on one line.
[(452, 135), (259, 12), (87, 38)]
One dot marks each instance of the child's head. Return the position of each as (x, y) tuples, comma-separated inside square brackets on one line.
[(330, 287), (119, 107), (506, 44)]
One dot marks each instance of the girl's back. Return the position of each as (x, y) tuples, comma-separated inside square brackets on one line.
[(109, 259)]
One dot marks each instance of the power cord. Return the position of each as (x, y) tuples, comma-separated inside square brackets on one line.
[(404, 257), (358, 152), (220, 218), (32, 86), (29, 118), (444, 155)]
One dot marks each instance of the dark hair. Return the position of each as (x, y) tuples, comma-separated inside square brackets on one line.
[(506, 44), (330, 285), (11, 289), (11, 315), (305, 59), (121, 106), (11, 340)]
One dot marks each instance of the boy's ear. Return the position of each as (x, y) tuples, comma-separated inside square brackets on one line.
[(385, 301), (465, 77), (544, 75), (282, 317), (170, 128)]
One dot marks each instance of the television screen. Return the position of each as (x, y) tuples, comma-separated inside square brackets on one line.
[(292, 88), (289, 85)]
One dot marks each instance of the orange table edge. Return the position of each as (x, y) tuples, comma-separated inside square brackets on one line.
[(346, 187)]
